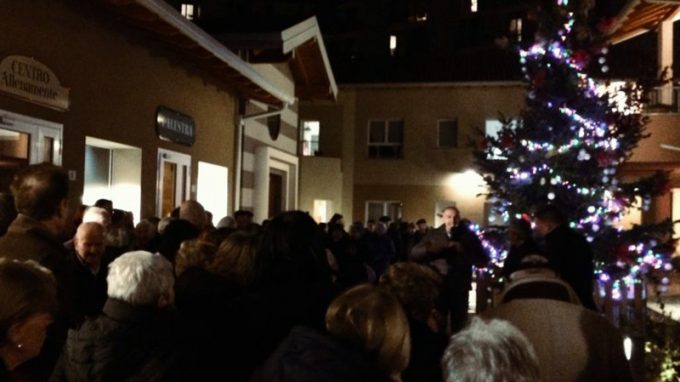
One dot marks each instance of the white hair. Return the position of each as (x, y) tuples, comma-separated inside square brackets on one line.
[(490, 351), (97, 215), (140, 278)]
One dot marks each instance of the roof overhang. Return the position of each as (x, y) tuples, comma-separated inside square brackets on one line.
[(303, 47), (163, 21), (641, 16)]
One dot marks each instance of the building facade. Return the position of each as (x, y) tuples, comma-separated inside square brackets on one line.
[(139, 105)]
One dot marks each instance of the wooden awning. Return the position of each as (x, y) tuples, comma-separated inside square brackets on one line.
[(303, 47), (166, 24), (641, 16)]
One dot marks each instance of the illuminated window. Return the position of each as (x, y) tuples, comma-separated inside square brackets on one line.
[(516, 28), (310, 138), (385, 139), (474, 6), (190, 11), (393, 44)]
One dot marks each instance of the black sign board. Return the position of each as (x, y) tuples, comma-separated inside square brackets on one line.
[(174, 126)]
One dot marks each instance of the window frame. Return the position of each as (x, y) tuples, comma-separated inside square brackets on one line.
[(385, 205), (385, 143), (439, 125)]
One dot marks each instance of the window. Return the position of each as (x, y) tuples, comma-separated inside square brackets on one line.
[(393, 44), (474, 6), (447, 133), (516, 28), (310, 138), (385, 139), (375, 209), (190, 11)]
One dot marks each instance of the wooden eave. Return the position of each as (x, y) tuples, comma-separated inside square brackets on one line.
[(302, 47), (167, 25), (641, 16)]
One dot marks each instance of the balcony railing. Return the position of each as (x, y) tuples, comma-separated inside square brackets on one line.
[(657, 103)]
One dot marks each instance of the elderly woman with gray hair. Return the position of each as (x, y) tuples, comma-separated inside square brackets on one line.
[(27, 304), (134, 338)]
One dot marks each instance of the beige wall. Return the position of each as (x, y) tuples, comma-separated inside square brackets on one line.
[(118, 77), (320, 178)]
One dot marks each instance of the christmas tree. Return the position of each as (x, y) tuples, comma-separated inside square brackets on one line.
[(567, 145)]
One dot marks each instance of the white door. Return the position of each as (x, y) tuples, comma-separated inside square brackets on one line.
[(25, 140), (174, 181), (213, 189)]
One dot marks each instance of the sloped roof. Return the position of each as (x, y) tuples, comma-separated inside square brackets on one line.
[(302, 46), (641, 16), (165, 23)]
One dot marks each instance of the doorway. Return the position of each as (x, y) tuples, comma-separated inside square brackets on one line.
[(25, 140), (276, 192), (174, 180)]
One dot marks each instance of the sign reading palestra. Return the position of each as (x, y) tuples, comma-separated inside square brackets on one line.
[(30, 80), (174, 126)]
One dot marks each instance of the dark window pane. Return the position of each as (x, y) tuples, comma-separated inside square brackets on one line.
[(396, 132), (448, 133), (373, 151), (376, 132), (375, 210)]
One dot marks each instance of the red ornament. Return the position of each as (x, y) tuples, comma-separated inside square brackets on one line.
[(602, 159), (623, 254), (507, 141), (581, 58), (532, 15), (483, 143)]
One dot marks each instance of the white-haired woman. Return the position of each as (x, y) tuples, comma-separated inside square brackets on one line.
[(134, 338), (27, 304)]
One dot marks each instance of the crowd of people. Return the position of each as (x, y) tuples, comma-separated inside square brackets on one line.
[(178, 299)]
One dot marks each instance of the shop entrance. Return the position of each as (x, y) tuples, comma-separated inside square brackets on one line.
[(174, 180)]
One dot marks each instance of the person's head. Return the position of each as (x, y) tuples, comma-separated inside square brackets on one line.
[(89, 244), (141, 278), (336, 220), (291, 251), (421, 225), (173, 235), (145, 233), (373, 320), (381, 228), (194, 253), (235, 259), (193, 212), (519, 231), (105, 204), (226, 222), (27, 304), (41, 192), (490, 351), (417, 287), (370, 225), (385, 219), (97, 215), (356, 231), (450, 217), (243, 218), (547, 219)]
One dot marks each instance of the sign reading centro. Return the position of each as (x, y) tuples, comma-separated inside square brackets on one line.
[(174, 126), (30, 80)]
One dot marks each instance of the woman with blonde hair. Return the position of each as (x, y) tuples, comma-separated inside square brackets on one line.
[(27, 304), (367, 339)]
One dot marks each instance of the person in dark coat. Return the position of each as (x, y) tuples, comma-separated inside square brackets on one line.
[(418, 288), (366, 340), (89, 269), (568, 253), (521, 245), (134, 339), (40, 197), (453, 249)]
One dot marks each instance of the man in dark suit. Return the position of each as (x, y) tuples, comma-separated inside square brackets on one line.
[(90, 270), (568, 253), (452, 249)]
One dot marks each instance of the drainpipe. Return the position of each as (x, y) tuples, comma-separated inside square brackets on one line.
[(242, 119)]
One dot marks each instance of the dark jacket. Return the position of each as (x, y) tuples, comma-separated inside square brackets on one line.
[(516, 254), (28, 239), (125, 343), (310, 356), (427, 348), (460, 262), (571, 256), (90, 289)]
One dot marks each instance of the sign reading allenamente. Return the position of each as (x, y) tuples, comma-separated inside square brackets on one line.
[(30, 80), (174, 126)]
